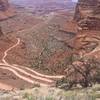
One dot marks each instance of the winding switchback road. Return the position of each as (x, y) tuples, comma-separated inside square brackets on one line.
[(25, 73)]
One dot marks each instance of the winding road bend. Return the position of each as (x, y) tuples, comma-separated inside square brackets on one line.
[(27, 74)]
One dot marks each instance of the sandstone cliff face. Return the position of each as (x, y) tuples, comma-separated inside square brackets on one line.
[(88, 14), (5, 10)]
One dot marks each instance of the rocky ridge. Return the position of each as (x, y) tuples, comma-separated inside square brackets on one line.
[(88, 14)]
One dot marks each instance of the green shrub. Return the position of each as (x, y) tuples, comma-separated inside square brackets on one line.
[(49, 98), (28, 96)]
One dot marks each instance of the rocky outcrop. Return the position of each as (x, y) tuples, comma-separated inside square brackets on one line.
[(5, 10), (88, 14)]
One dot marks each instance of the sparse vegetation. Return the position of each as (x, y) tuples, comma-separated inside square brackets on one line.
[(57, 94), (83, 72), (42, 43), (49, 98), (36, 85), (28, 96)]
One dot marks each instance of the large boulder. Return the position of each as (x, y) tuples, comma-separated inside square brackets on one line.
[(6, 10)]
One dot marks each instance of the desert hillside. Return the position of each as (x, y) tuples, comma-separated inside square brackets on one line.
[(50, 44), (33, 44)]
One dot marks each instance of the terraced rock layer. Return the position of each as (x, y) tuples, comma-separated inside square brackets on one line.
[(88, 14)]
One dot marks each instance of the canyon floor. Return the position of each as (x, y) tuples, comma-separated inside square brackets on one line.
[(27, 40), (35, 48)]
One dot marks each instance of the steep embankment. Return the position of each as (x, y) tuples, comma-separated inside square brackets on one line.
[(87, 16)]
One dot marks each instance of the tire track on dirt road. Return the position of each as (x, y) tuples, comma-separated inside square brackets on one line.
[(24, 73)]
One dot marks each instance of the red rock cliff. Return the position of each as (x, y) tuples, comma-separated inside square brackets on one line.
[(88, 14)]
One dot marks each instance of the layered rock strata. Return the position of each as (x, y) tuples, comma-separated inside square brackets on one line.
[(87, 14)]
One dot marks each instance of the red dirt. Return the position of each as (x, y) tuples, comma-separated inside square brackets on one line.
[(18, 55), (4, 44), (9, 78)]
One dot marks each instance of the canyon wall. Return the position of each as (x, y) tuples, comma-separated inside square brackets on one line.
[(87, 14), (5, 10)]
